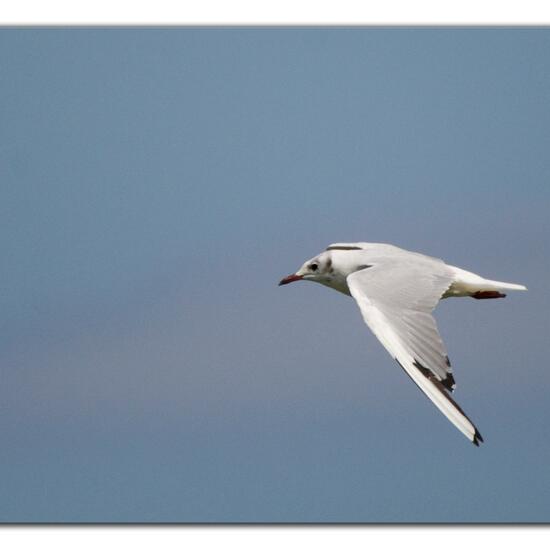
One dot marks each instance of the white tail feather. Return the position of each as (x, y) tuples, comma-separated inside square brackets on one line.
[(467, 283), (499, 285)]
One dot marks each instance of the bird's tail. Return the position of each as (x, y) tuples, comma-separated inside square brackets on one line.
[(467, 283), (499, 285)]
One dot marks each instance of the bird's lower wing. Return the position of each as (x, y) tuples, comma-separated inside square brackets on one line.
[(382, 325)]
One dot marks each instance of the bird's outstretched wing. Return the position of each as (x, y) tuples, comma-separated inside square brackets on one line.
[(396, 300)]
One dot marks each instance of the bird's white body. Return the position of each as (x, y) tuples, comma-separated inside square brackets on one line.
[(464, 283), (396, 291)]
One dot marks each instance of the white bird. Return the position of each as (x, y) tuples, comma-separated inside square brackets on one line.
[(396, 291)]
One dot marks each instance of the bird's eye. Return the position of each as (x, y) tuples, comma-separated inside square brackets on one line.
[(313, 267)]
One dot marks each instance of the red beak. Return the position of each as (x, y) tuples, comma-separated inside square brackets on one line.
[(290, 279)]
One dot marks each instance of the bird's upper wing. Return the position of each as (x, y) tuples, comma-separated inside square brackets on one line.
[(396, 298)]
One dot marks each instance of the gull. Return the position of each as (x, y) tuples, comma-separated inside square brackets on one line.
[(396, 291)]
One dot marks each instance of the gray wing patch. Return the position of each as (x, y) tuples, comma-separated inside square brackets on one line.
[(406, 294), (343, 247)]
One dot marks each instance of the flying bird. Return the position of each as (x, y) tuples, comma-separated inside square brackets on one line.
[(396, 291)]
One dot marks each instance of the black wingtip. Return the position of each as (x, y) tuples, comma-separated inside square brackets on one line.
[(449, 382), (477, 438), (442, 387)]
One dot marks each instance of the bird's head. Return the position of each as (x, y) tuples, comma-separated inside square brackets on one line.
[(318, 269)]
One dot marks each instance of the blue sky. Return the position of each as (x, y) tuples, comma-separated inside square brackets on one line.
[(157, 184)]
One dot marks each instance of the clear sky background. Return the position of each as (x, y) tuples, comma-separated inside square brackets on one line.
[(156, 184)]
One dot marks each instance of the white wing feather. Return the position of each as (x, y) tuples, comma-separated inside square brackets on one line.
[(396, 302)]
